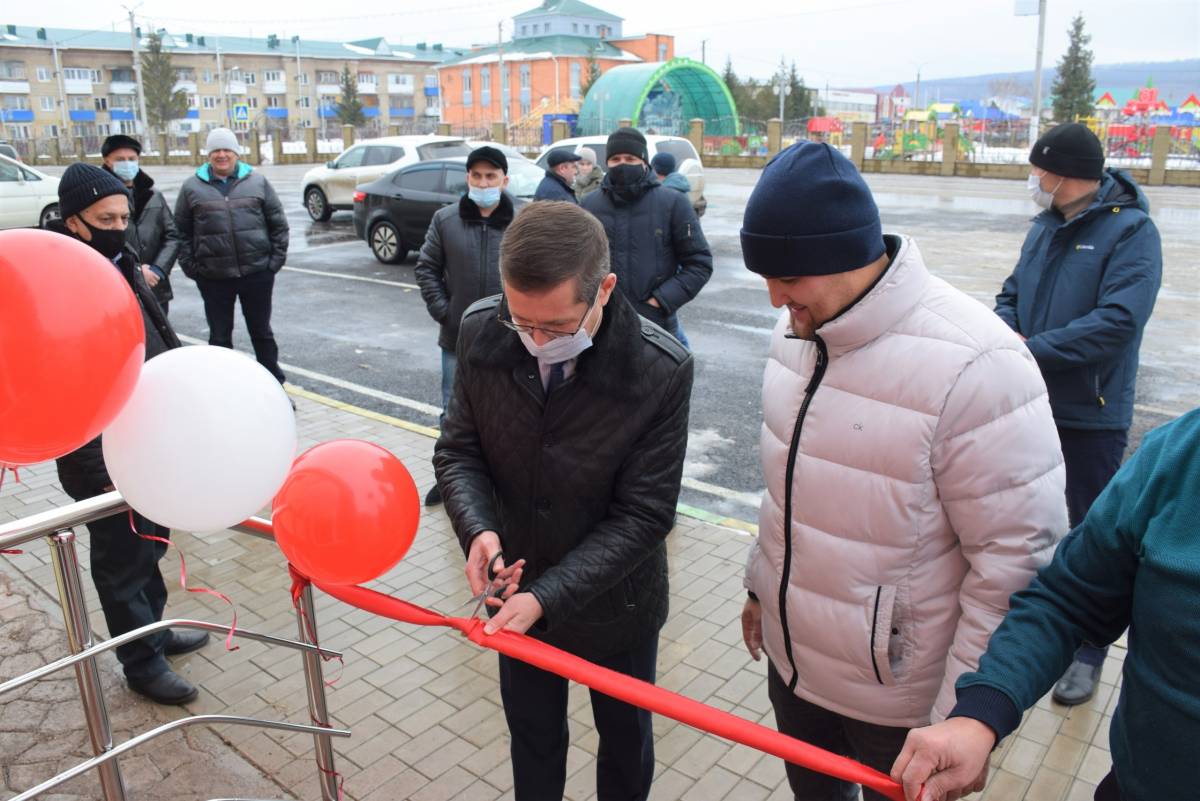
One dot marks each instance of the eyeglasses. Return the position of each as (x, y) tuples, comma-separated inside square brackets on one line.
[(508, 323)]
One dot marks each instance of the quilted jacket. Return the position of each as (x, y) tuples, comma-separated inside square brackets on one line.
[(582, 484), (914, 482)]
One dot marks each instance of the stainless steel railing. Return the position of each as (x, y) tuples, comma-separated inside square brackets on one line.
[(57, 526)]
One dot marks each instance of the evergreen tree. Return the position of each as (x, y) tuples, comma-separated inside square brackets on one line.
[(591, 74), (163, 103), (350, 108), (799, 102), (1074, 86)]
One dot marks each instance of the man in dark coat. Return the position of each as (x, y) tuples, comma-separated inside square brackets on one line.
[(1080, 295), (560, 460), (559, 183), (234, 239), (659, 253), (459, 262), (151, 231), (94, 205)]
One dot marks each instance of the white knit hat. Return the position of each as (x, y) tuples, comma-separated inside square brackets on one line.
[(222, 139), (586, 153)]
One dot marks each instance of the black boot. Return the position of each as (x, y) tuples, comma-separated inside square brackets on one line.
[(165, 688), (434, 496), (1078, 684), (184, 642)]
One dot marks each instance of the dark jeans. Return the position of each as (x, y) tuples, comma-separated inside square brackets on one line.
[(254, 291), (1092, 458), (449, 365), (677, 332), (535, 705), (130, 586), (873, 745)]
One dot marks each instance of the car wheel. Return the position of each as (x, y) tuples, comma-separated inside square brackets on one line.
[(317, 205), (48, 214), (386, 244)]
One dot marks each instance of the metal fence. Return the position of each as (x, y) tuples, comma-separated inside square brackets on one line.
[(58, 528)]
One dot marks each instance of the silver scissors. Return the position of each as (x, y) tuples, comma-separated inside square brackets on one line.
[(487, 590)]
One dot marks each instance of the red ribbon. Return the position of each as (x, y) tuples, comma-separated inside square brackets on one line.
[(623, 688), (299, 582), (229, 646)]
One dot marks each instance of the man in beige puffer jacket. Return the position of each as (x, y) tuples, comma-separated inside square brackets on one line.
[(914, 476)]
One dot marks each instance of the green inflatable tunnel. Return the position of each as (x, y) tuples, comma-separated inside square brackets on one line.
[(660, 97)]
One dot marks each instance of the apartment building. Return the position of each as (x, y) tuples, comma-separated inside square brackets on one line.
[(62, 82)]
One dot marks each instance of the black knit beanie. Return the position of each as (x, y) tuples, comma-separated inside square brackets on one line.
[(811, 213), (629, 141), (1069, 150), (82, 185)]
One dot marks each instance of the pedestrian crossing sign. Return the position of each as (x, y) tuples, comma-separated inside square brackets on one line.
[(241, 113)]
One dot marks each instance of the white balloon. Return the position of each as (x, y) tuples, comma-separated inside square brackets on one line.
[(206, 440)]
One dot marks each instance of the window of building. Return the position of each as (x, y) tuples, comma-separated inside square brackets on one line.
[(77, 74), (101, 103), (79, 103), (43, 73), (576, 69), (574, 27), (367, 78), (524, 30), (12, 70), (328, 77), (249, 78), (468, 98), (587, 27), (252, 102), (193, 101), (272, 76), (275, 101), (123, 102), (662, 51), (208, 101), (47, 103), (304, 102), (208, 75), (525, 79), (431, 81), (103, 129), (302, 78), (185, 74), (485, 87), (400, 83), (122, 75), (20, 102), (545, 27)]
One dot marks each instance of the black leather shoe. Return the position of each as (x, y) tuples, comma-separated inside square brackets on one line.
[(165, 688), (433, 497), (185, 641), (1078, 684)]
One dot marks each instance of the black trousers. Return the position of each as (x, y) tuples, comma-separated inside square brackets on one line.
[(873, 745), (1092, 458), (131, 589), (254, 292), (535, 705)]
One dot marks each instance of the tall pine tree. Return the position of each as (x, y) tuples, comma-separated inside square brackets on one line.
[(591, 74), (1074, 86), (349, 108), (163, 103), (799, 102)]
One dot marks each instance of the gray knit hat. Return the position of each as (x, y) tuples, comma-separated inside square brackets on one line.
[(222, 139)]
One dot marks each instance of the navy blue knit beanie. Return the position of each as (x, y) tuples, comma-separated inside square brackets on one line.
[(810, 214), (82, 185), (663, 163)]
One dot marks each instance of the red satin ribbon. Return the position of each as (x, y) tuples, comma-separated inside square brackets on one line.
[(299, 582), (624, 688), (229, 646)]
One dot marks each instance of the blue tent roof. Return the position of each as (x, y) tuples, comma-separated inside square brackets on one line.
[(975, 110)]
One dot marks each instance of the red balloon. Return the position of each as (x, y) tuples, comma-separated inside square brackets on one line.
[(347, 512), (71, 344)]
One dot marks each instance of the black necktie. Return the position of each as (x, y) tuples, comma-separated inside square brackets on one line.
[(556, 376)]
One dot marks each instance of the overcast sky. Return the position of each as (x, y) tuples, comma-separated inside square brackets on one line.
[(840, 42)]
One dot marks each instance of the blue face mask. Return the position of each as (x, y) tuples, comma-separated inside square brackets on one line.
[(484, 198), (125, 170)]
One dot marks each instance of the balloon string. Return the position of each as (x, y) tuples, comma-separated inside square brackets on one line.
[(299, 583), (229, 646)]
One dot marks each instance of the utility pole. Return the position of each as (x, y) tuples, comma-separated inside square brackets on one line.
[(143, 123), (1036, 118), (703, 51), (299, 75), (62, 93), (917, 98), (501, 75)]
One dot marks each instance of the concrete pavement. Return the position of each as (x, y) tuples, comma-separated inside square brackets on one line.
[(423, 704)]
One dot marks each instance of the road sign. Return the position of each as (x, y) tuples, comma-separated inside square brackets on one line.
[(241, 113)]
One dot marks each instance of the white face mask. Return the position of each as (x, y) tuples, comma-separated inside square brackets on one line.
[(560, 349), (1040, 196)]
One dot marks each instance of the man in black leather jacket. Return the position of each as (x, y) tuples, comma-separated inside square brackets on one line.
[(561, 456), (95, 210)]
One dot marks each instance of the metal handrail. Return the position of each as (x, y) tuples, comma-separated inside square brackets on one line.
[(134, 742), (151, 628), (57, 526)]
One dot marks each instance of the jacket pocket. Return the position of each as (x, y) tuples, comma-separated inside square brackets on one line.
[(887, 642)]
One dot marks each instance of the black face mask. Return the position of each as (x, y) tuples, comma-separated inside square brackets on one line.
[(109, 242), (625, 175)]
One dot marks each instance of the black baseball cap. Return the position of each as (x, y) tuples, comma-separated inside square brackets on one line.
[(562, 156), (489, 154)]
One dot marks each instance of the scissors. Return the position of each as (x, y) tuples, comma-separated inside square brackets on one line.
[(491, 575)]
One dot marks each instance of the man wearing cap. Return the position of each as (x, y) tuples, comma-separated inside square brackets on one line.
[(914, 481), (590, 175), (151, 231), (559, 183), (459, 262), (234, 239), (1080, 296), (94, 206), (659, 253)]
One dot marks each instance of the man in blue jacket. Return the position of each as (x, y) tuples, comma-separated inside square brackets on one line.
[(1080, 296), (560, 177), (1134, 561)]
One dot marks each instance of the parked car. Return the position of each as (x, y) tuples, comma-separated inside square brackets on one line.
[(7, 149), (393, 213), (28, 197), (509, 151), (687, 160), (331, 188)]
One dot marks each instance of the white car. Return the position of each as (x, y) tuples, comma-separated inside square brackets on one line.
[(28, 197), (331, 188), (687, 160)]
